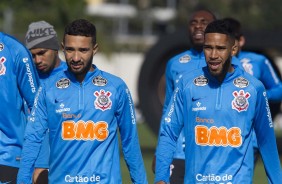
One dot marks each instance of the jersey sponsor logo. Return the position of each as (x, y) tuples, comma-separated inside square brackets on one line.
[(214, 178), (240, 102), (171, 109), (82, 179), (199, 108), (133, 120), (268, 110), (62, 108), (214, 136), (241, 82), (248, 67), (204, 120), (103, 101), (2, 66), (201, 81), (99, 81), (88, 130), (71, 116), (63, 83), (1, 47), (185, 59), (29, 74)]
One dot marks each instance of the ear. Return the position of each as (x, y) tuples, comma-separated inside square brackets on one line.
[(63, 46), (242, 41), (234, 50), (95, 49)]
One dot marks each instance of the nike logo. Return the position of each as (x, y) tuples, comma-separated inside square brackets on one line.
[(6, 182), (196, 98)]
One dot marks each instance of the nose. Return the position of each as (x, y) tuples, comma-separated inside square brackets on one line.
[(37, 59), (214, 54), (76, 57), (199, 25)]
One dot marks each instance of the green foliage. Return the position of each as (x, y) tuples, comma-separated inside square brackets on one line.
[(16, 15)]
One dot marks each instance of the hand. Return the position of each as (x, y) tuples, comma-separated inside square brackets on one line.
[(160, 182), (154, 164), (37, 178)]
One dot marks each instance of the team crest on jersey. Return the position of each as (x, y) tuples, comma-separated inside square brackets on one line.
[(201, 81), (240, 102), (1, 47), (103, 101), (185, 59), (2, 66), (63, 83), (99, 81), (241, 82)]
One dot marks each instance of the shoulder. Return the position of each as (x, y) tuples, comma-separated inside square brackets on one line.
[(183, 57), (111, 79), (196, 76), (11, 43), (252, 56), (252, 81)]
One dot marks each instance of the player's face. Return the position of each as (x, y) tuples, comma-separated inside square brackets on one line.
[(197, 26), (45, 60), (218, 50), (79, 52)]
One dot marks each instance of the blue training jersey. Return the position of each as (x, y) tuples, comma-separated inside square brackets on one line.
[(260, 67), (83, 121), (184, 62), (43, 157), (218, 120), (19, 83)]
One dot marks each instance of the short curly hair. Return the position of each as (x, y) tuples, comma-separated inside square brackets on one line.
[(81, 27)]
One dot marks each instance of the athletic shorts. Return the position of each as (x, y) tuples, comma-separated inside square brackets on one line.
[(8, 174), (177, 171)]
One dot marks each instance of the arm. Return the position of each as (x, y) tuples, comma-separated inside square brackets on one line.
[(34, 134), (264, 130), (27, 80), (271, 81), (171, 126), (129, 137)]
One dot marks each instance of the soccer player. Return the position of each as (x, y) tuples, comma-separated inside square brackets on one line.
[(42, 41), (184, 62), (83, 108), (19, 83), (218, 107)]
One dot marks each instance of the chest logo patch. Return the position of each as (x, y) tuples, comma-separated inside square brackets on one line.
[(2, 66), (103, 101), (241, 82), (185, 59), (1, 46), (99, 81), (201, 81), (240, 102), (63, 83)]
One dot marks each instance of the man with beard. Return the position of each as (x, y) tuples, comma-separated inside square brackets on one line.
[(218, 107), (83, 108), (185, 62)]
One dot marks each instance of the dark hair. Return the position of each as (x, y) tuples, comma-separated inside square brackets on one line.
[(203, 8), (81, 27), (220, 26), (235, 25)]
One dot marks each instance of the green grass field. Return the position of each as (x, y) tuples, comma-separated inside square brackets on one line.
[(148, 143)]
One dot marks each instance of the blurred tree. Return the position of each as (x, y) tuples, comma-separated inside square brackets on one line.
[(57, 12)]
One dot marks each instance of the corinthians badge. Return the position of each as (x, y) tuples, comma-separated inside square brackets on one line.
[(240, 102), (103, 101), (2, 66)]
